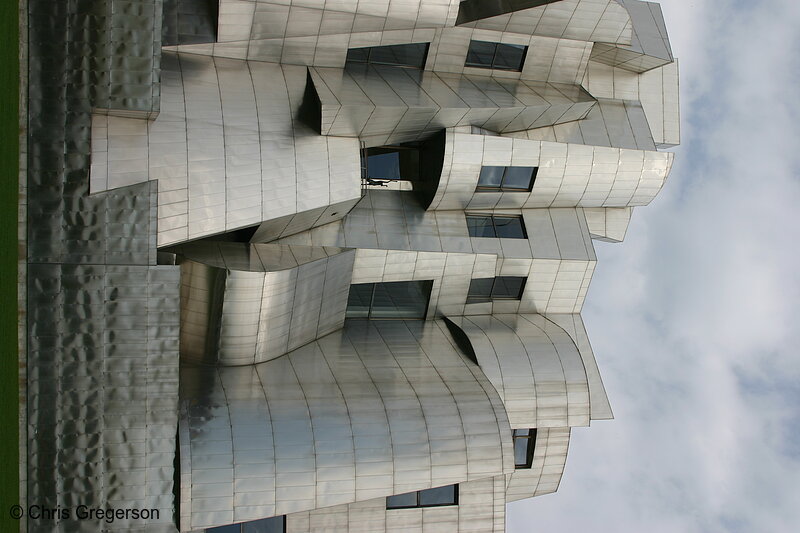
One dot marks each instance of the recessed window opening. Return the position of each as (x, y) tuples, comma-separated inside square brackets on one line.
[(437, 497), (500, 56), (498, 288), (508, 179), (381, 164), (397, 55), (496, 226), (524, 443), (276, 524), (398, 299)]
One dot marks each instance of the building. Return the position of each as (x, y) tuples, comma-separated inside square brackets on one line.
[(319, 266)]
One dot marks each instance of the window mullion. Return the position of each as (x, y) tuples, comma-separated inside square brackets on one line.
[(372, 299)]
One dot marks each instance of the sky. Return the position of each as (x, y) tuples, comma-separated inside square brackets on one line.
[(694, 318)]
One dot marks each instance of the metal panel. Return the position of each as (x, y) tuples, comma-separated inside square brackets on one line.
[(378, 408), (102, 329), (535, 367)]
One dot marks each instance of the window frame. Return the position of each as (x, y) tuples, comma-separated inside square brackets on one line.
[(494, 226), (417, 496), (501, 188), (241, 525), (370, 49), (492, 298), (531, 438), (497, 46), (425, 284)]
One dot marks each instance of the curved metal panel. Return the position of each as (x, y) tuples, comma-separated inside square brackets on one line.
[(569, 175), (378, 408), (228, 152), (481, 508), (245, 304), (544, 475), (649, 47), (535, 367)]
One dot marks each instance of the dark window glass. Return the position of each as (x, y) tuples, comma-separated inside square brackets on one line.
[(360, 300), (524, 442), (385, 165), (405, 299), (358, 55), (400, 162), (276, 524), (438, 496), (519, 178), (505, 227), (491, 177), (483, 54), (435, 497), (498, 288), (509, 227), (400, 55), (399, 299), (480, 226), (506, 178), (508, 287), (267, 525), (399, 501), (233, 528), (509, 56), (480, 290)]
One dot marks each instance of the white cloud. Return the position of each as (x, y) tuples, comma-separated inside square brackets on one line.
[(694, 318)]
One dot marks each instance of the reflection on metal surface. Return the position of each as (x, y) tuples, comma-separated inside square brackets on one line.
[(386, 105), (245, 304), (251, 127), (102, 318), (649, 47), (472, 10), (375, 409)]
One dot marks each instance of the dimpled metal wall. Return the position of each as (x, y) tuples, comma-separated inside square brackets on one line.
[(102, 317)]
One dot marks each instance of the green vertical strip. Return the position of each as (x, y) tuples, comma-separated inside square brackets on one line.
[(9, 196)]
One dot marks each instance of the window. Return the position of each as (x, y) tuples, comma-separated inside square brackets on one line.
[(399, 299), (391, 162), (438, 497), (497, 226), (498, 288), (483, 54), (513, 179), (399, 55), (276, 524), (524, 442)]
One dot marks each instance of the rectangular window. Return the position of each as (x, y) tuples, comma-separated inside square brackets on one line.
[(501, 56), (524, 442), (497, 226), (510, 179), (398, 55), (398, 299), (276, 524), (497, 288), (399, 162), (437, 497)]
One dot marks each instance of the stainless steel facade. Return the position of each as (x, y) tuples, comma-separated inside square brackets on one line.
[(199, 217)]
